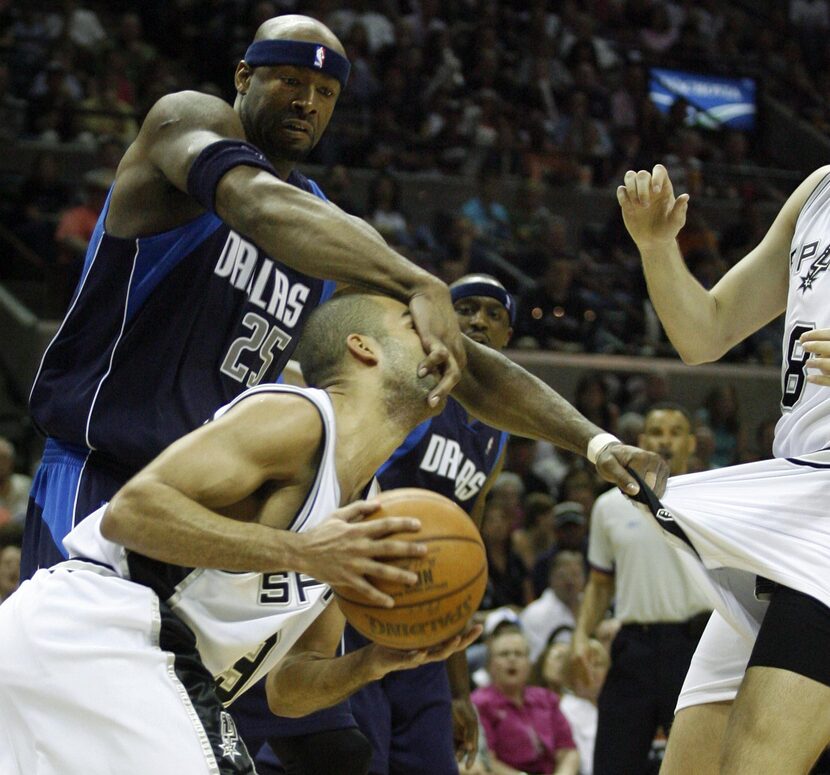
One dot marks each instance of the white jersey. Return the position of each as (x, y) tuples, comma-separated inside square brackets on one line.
[(765, 519), (804, 426), (627, 543), (244, 623)]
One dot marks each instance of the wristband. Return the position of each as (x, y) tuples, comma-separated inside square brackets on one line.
[(599, 443)]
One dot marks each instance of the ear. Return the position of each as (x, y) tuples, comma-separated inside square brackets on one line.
[(364, 348), (242, 77), (509, 336)]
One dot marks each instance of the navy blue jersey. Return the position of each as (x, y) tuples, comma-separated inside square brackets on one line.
[(449, 454), (163, 330)]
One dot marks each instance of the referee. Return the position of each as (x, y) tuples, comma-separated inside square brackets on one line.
[(663, 614)]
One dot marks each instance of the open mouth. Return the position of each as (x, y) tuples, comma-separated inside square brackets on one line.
[(298, 127)]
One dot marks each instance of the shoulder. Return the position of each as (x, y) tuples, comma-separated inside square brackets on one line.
[(267, 419), (538, 695), (802, 194), (486, 696), (191, 110)]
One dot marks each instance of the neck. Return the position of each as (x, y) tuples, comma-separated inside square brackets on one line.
[(367, 434), (515, 694)]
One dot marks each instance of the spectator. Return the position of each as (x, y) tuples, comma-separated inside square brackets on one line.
[(720, 413), (554, 315), (579, 703), (521, 459), (41, 197), (525, 728), (506, 572), (538, 535), (553, 614), (14, 487), (384, 210), (593, 399), (487, 214), (104, 114), (550, 667), (52, 103), (570, 531)]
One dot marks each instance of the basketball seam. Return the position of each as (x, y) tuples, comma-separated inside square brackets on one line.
[(475, 578)]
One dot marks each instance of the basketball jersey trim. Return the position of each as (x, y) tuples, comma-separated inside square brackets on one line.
[(114, 347), (816, 192)]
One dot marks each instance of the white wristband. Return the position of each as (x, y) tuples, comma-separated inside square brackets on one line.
[(599, 443)]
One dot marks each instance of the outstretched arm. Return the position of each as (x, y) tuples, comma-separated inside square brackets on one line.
[(293, 226), (703, 324), (503, 394), (310, 677), (194, 505)]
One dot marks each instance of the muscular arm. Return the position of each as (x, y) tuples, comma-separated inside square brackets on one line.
[(172, 510), (505, 395), (311, 677), (195, 504), (293, 226), (703, 324), (595, 601)]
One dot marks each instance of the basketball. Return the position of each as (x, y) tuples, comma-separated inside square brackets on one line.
[(452, 576)]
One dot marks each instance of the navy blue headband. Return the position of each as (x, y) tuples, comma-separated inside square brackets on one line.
[(485, 289), (264, 53)]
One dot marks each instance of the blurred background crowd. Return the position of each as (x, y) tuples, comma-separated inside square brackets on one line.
[(475, 135)]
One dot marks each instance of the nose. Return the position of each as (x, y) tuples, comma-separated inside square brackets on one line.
[(478, 320), (303, 101)]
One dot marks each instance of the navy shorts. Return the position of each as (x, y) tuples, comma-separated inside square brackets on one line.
[(69, 485), (407, 717)]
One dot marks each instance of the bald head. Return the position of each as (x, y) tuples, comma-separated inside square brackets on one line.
[(297, 27)]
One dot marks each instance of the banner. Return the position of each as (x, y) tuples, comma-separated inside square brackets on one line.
[(714, 101)]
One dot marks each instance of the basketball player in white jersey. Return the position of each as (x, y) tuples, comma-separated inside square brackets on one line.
[(213, 563), (757, 694)]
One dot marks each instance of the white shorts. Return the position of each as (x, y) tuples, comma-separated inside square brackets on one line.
[(85, 688), (768, 519)]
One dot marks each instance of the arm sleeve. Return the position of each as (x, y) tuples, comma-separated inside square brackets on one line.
[(600, 551)]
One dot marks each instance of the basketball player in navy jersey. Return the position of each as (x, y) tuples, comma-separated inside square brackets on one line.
[(409, 718), (203, 571), (206, 260), (757, 694)]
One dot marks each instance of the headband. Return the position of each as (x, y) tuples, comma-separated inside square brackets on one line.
[(483, 288), (301, 53)]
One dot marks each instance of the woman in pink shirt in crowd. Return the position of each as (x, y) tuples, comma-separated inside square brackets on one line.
[(526, 731)]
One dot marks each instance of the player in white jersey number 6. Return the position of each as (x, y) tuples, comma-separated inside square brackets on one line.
[(757, 694)]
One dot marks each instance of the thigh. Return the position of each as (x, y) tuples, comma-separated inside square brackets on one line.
[(781, 717), (422, 729)]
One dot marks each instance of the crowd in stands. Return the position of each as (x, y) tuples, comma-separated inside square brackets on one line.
[(553, 94)]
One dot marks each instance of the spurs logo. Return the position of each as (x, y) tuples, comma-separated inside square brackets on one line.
[(230, 737)]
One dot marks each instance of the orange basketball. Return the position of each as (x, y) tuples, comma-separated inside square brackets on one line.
[(452, 575)]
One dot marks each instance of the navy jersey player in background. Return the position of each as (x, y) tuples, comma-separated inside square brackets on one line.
[(204, 264), (410, 718)]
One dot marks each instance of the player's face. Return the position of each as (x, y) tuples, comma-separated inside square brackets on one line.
[(484, 320), (667, 433), (509, 664), (402, 352), (286, 109)]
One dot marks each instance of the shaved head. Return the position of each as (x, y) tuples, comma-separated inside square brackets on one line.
[(296, 27)]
